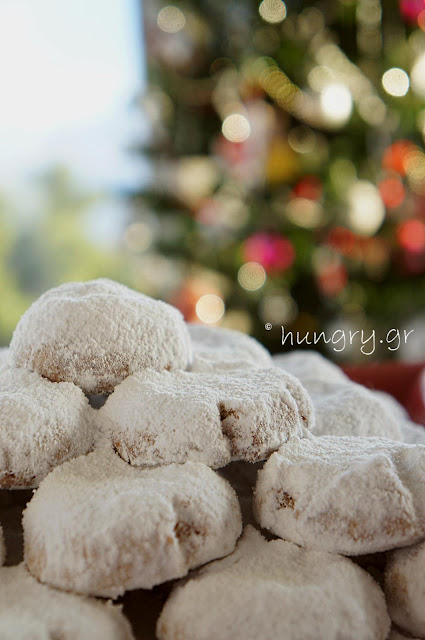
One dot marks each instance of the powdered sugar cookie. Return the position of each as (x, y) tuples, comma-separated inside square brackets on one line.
[(353, 410), (343, 494), (98, 526), (391, 404), (273, 590), (32, 611), (404, 584), (216, 349), (42, 424), (96, 333), (158, 418), (311, 368), (412, 433)]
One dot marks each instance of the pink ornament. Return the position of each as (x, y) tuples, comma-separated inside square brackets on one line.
[(274, 252), (411, 9)]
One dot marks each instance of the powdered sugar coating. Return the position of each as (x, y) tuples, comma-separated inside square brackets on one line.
[(32, 611), (353, 410), (314, 370), (404, 585), (98, 526), (217, 349), (42, 424), (159, 418), (272, 590), (96, 333), (412, 433), (391, 404), (344, 494)]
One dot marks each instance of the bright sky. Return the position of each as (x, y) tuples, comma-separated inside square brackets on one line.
[(68, 72)]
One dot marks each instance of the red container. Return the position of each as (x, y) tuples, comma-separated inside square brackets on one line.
[(406, 382)]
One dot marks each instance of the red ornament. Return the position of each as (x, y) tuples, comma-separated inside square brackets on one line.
[(309, 187), (411, 236), (411, 9), (332, 278), (342, 239), (274, 252), (392, 192), (395, 156)]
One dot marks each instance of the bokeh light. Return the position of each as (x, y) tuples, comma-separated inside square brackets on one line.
[(417, 76), (278, 308), (415, 170), (236, 128), (395, 156), (305, 213), (396, 82), (372, 109), (274, 252), (336, 104), (138, 237), (273, 11), (237, 320), (171, 19), (302, 139), (392, 192), (331, 274), (210, 308), (251, 276), (411, 235), (366, 211)]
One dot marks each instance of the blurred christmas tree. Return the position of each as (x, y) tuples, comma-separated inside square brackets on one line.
[(288, 165)]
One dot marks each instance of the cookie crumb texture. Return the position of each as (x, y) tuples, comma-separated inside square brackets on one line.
[(273, 590), (96, 333), (159, 418), (101, 527), (346, 495)]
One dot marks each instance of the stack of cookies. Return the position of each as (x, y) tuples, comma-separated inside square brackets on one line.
[(151, 442)]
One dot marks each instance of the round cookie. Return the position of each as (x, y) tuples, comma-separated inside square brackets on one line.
[(412, 433), (42, 424), (216, 349), (100, 527), (391, 404), (96, 333), (353, 410), (32, 611), (344, 494), (404, 585), (159, 418), (273, 590), (314, 370)]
